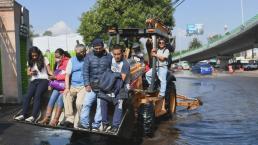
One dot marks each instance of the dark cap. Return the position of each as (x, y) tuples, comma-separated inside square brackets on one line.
[(97, 42)]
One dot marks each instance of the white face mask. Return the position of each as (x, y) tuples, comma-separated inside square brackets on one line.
[(58, 60)]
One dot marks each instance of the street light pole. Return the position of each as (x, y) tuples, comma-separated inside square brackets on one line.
[(48, 42), (66, 40), (242, 12), (179, 49)]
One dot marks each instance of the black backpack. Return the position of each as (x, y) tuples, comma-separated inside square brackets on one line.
[(171, 50)]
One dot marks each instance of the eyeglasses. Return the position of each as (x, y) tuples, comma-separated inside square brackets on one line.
[(80, 52), (58, 57), (161, 42)]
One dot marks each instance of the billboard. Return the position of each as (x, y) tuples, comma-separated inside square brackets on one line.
[(194, 29)]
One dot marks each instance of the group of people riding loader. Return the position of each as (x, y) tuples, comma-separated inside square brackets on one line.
[(79, 82)]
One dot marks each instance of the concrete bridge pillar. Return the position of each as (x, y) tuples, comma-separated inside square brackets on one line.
[(223, 61)]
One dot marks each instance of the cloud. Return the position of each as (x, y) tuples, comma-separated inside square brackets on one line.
[(60, 28)]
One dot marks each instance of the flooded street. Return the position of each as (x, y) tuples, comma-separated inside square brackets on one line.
[(229, 113), (228, 116)]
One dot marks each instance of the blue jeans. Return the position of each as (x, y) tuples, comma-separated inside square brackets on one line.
[(117, 113), (56, 96), (162, 75), (89, 99)]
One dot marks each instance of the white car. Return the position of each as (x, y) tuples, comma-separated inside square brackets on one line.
[(184, 65), (250, 66)]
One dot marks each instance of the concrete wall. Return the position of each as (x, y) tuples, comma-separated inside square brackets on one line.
[(249, 53), (8, 51), (10, 54)]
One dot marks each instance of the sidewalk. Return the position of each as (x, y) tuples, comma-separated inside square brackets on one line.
[(253, 73)]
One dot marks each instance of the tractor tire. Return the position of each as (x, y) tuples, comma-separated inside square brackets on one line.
[(170, 97), (146, 119), (172, 100)]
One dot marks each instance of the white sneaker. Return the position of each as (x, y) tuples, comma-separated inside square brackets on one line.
[(19, 118), (30, 119)]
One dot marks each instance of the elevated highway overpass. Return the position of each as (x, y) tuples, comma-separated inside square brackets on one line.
[(241, 38)]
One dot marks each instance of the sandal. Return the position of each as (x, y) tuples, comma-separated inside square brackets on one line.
[(45, 121), (54, 122)]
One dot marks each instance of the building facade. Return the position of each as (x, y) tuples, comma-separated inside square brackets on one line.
[(14, 41)]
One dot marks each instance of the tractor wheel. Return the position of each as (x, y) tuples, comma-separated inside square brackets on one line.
[(171, 98), (146, 118)]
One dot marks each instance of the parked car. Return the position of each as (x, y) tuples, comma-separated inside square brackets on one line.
[(250, 66), (184, 65), (202, 68), (174, 66)]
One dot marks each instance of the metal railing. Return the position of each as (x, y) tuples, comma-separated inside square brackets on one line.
[(220, 38)]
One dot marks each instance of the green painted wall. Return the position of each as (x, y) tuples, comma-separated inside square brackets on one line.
[(23, 57)]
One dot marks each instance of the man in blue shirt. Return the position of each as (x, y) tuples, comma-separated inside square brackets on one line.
[(74, 87)]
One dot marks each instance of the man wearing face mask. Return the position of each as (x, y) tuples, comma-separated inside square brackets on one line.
[(74, 87), (95, 64)]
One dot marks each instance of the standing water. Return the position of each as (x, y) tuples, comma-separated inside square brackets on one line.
[(229, 114)]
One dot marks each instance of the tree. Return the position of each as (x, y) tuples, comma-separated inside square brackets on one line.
[(195, 43), (124, 14), (214, 38), (47, 33), (32, 32)]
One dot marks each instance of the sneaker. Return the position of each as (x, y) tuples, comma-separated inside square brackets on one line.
[(87, 128), (105, 127), (30, 119), (96, 129), (113, 130), (19, 118)]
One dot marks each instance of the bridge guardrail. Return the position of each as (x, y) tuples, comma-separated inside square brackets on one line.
[(221, 38)]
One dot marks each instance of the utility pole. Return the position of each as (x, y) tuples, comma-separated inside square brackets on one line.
[(48, 42), (242, 12), (66, 40)]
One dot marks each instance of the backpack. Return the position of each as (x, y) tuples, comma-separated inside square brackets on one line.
[(171, 50)]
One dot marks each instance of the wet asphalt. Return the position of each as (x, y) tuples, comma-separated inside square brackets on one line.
[(229, 115)]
